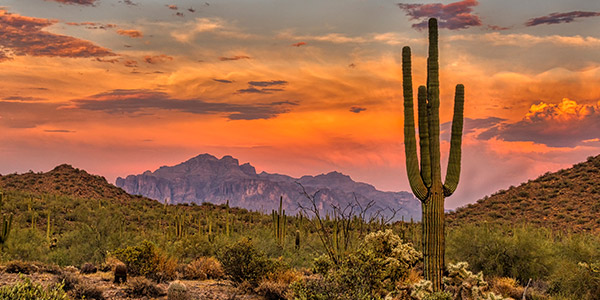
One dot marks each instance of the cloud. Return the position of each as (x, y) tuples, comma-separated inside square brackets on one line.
[(470, 126), (252, 90), (107, 60), (298, 44), (237, 57), (138, 101), (557, 18), (356, 109), (80, 2), (267, 83), (566, 124), (59, 131), (92, 25), (22, 35), (457, 15), (130, 63), (157, 59), (23, 99), (179, 14), (172, 6), (129, 2), (527, 40), (132, 33), (186, 32), (222, 80)]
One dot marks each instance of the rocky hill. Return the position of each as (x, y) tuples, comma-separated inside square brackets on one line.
[(206, 178), (64, 180), (565, 200)]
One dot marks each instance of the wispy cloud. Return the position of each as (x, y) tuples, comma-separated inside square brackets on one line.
[(298, 44), (457, 15), (135, 101), (79, 2), (222, 80), (237, 57), (92, 25), (132, 33), (25, 36), (557, 18), (267, 83), (357, 109), (156, 59)]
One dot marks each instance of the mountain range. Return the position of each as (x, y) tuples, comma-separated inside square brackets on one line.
[(206, 178)]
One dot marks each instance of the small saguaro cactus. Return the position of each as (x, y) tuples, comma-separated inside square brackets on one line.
[(279, 223), (426, 182), (5, 225)]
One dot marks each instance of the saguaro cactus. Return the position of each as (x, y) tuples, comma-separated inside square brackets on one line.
[(426, 182)]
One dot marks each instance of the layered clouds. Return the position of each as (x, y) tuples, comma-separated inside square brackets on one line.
[(293, 88)]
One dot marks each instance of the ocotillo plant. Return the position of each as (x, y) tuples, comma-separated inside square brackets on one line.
[(279, 223), (426, 183)]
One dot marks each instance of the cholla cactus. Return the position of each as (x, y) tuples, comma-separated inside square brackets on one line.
[(388, 244), (463, 284), (422, 289)]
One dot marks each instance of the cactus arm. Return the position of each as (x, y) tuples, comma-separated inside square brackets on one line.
[(424, 136), (433, 95), (453, 171), (410, 144)]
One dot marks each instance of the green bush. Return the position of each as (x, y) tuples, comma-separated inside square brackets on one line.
[(519, 252), (26, 290), (242, 262), (142, 287), (147, 260), (315, 287)]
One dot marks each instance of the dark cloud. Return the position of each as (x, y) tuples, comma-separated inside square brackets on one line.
[(59, 131), (92, 25), (566, 124), (137, 101), (469, 126), (237, 57), (157, 59), (298, 44), (222, 80), (179, 14), (129, 2), (23, 99), (21, 35), (132, 33), (28, 114), (80, 2), (252, 90), (557, 18), (356, 109), (267, 83), (457, 15)]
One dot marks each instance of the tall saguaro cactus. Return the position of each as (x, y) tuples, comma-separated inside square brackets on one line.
[(426, 182)]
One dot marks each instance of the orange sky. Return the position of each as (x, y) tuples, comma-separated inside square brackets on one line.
[(120, 87)]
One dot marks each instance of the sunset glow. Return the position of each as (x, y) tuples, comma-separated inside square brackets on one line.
[(295, 87)]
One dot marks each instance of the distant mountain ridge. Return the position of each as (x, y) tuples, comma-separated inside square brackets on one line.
[(206, 178)]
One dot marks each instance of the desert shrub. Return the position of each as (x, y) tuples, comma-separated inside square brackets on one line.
[(204, 268), (177, 291), (314, 287), (142, 287), (145, 259), (275, 286), (86, 291), (19, 266), (141, 259), (376, 267), (520, 252), (26, 290), (577, 280), (88, 268), (506, 286), (242, 262), (67, 280)]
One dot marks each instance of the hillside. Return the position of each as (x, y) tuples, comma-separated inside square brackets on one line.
[(565, 200), (206, 178), (64, 180)]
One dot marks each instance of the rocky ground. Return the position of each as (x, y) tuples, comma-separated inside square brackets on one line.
[(207, 289)]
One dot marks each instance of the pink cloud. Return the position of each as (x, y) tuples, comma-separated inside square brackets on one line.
[(457, 15)]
